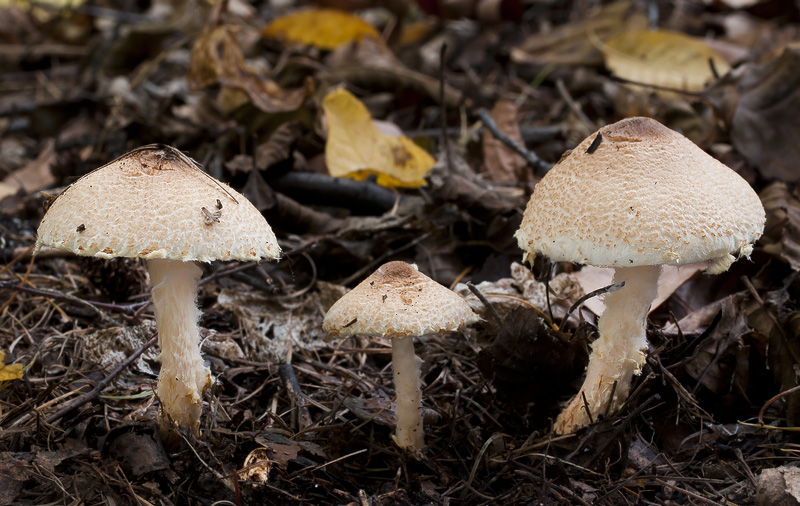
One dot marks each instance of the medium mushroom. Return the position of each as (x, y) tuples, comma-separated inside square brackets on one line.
[(156, 203), (634, 196), (399, 302)]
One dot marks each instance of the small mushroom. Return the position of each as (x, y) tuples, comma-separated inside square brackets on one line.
[(146, 204), (644, 197), (399, 302)]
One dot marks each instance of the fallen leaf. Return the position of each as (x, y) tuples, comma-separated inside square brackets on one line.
[(783, 224), (778, 486), (138, 454), (323, 28), (500, 162), (713, 362), (672, 277), (34, 176), (759, 103), (217, 59), (356, 148), (570, 44), (9, 372), (662, 58), (529, 361), (370, 64)]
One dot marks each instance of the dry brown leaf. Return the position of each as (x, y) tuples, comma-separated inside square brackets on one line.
[(570, 44), (761, 103), (783, 224), (357, 149), (369, 63), (323, 28), (34, 176), (217, 59), (779, 486), (500, 162), (672, 277), (662, 58)]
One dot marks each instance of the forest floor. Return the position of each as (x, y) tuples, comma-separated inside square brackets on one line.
[(295, 417)]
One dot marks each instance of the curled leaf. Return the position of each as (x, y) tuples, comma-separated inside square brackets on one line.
[(357, 149), (662, 58), (217, 59), (9, 372)]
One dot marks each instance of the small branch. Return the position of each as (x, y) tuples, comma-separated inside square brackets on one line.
[(102, 384), (443, 108), (595, 293), (94, 306), (574, 106), (533, 160), (772, 400), (290, 383)]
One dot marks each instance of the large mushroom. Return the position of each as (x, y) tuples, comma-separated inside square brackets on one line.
[(399, 302), (157, 204), (634, 196)]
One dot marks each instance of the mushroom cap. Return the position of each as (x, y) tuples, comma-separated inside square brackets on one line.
[(646, 195), (155, 202), (397, 301)]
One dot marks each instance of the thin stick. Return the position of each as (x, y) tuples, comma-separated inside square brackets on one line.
[(595, 293), (94, 306), (443, 107), (529, 156), (489, 307), (576, 108), (292, 386), (102, 384), (773, 399)]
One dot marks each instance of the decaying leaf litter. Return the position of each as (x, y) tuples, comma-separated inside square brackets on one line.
[(297, 418)]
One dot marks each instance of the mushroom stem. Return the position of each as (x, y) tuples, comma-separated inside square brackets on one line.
[(618, 353), (406, 367), (184, 377)]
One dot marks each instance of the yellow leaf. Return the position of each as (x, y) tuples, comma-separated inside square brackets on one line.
[(323, 28), (9, 372), (55, 4), (357, 149), (662, 58)]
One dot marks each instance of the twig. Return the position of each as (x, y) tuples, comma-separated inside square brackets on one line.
[(94, 306), (290, 383), (595, 293), (364, 196), (102, 384), (443, 109), (611, 438), (773, 399), (587, 408), (562, 90), (686, 492), (529, 156), (489, 307)]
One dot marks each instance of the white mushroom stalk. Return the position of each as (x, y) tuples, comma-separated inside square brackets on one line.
[(406, 367), (184, 378), (632, 196), (399, 302), (618, 354), (156, 203)]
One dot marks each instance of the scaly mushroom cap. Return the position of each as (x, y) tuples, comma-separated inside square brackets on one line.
[(645, 195), (397, 301), (155, 202)]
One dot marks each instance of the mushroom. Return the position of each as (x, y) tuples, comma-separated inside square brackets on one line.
[(399, 302), (157, 204), (634, 196)]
